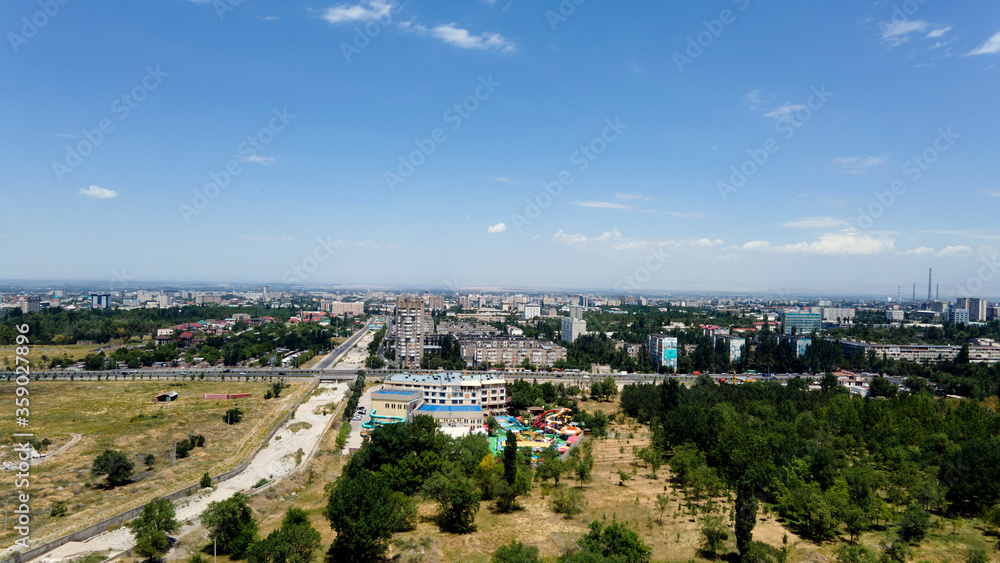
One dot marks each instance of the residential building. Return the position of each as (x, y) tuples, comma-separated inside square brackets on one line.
[(576, 312), (662, 350), (337, 308), (799, 343), (572, 328), (993, 312), (981, 350), (100, 300), (733, 345), (29, 304), (462, 328), (510, 351), (531, 311), (631, 349), (895, 315), (800, 322), (410, 331), (976, 307), (208, 300), (435, 301), (838, 314), (959, 316)]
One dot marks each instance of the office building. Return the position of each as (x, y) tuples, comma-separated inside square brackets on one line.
[(662, 350), (572, 328), (99, 300), (976, 307), (800, 322), (959, 316), (410, 331)]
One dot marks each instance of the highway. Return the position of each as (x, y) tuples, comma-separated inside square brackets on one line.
[(334, 357)]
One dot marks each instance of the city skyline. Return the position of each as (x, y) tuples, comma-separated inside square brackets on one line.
[(709, 148)]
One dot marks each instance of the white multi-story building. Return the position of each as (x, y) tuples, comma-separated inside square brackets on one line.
[(531, 311), (573, 328), (662, 349), (444, 390)]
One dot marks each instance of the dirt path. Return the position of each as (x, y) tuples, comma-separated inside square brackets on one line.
[(274, 461), (73, 439)]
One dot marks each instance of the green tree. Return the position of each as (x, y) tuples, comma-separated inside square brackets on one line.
[(847, 553), (552, 466), (363, 511), (231, 525), (976, 555), (616, 541), (233, 416), (115, 466), (58, 509), (459, 500), (713, 535), (294, 542), (148, 461), (206, 481), (515, 552), (568, 501), (151, 528), (746, 514), (913, 524)]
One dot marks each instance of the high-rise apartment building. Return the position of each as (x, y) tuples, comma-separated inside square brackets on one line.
[(29, 304), (976, 307), (662, 349), (572, 328), (409, 331), (99, 300), (959, 316)]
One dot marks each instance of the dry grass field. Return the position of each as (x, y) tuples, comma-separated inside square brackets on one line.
[(120, 415), (677, 538), (74, 351)]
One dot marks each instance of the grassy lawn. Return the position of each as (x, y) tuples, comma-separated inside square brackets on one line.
[(120, 415)]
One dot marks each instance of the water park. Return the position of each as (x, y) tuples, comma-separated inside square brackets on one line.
[(376, 420), (553, 428)]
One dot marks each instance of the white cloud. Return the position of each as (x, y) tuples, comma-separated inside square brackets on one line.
[(635, 68), (991, 46), (498, 228), (898, 32), (920, 251), (938, 32), (567, 238), (845, 242), (783, 113), (258, 159), (462, 38), (815, 223), (858, 164), (992, 193), (505, 180), (365, 11), (631, 196), (954, 251), (364, 243), (98, 193), (602, 205), (681, 215), (756, 245)]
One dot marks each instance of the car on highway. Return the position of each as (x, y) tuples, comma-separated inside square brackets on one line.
[(243, 373)]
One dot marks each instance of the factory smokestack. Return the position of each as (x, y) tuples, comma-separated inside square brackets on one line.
[(930, 278)]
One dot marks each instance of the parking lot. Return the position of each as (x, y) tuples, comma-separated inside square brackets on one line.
[(354, 441)]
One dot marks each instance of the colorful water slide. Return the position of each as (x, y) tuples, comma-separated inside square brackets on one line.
[(544, 415), (379, 419)]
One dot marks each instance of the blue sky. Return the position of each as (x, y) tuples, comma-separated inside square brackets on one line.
[(730, 145)]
